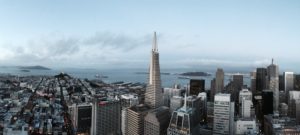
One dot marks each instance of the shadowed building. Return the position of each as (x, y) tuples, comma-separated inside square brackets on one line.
[(273, 83), (219, 80), (136, 118), (261, 76), (197, 86), (157, 121)]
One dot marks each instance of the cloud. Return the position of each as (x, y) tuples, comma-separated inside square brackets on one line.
[(224, 62), (100, 48)]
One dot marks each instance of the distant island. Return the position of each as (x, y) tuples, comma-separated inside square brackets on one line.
[(195, 74), (25, 70), (33, 68)]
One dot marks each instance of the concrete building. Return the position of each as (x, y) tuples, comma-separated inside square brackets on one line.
[(169, 93), (294, 96), (153, 95), (288, 81), (157, 121), (194, 102), (175, 103), (274, 125), (223, 115), (245, 98), (127, 100), (244, 126), (182, 123), (273, 83), (107, 114), (283, 109), (136, 119)]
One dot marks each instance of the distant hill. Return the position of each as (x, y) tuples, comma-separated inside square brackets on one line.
[(195, 74), (33, 68)]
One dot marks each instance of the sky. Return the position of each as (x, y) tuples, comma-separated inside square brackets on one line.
[(118, 34)]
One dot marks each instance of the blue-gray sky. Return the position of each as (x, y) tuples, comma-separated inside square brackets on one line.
[(105, 34)]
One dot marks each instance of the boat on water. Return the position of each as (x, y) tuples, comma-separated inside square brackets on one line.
[(100, 76), (183, 77)]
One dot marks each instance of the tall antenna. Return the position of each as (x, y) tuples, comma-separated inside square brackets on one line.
[(272, 61), (185, 98)]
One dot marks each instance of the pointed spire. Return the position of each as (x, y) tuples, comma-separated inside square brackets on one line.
[(272, 61), (154, 46), (185, 99)]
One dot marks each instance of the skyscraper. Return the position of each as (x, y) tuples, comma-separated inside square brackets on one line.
[(245, 103), (127, 100), (219, 80), (157, 121), (197, 86), (153, 91), (182, 123), (253, 81), (261, 76), (108, 116), (273, 83), (81, 116), (223, 115), (267, 102), (288, 81)]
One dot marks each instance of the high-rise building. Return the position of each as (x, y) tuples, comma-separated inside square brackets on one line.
[(253, 81), (281, 83), (245, 126), (219, 81), (182, 123), (175, 103), (157, 121), (136, 118), (273, 83), (238, 81), (223, 115), (127, 100), (261, 80), (194, 102), (212, 89), (153, 96), (197, 86), (107, 115), (297, 82), (169, 93), (245, 103), (81, 116), (294, 96), (203, 107), (267, 102), (288, 81)]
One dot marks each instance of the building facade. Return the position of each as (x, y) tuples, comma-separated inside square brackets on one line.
[(153, 95)]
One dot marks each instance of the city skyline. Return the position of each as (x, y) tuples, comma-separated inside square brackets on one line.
[(191, 35)]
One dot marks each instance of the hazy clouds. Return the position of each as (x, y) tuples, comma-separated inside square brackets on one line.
[(101, 47)]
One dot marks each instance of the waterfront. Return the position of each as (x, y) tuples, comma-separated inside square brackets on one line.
[(126, 75)]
